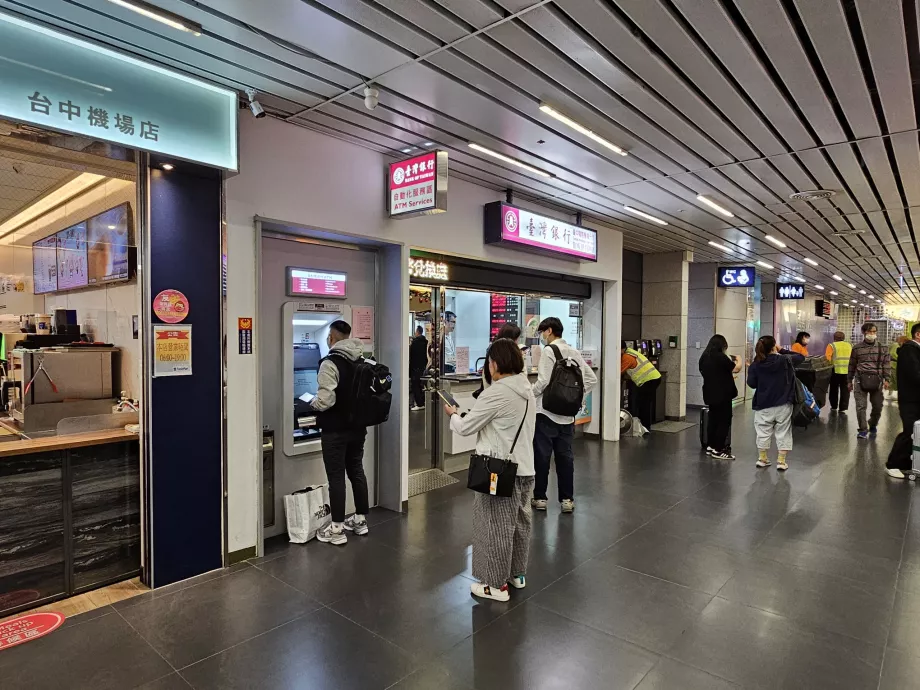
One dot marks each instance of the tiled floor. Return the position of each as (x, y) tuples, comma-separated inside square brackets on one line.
[(676, 572), (89, 601)]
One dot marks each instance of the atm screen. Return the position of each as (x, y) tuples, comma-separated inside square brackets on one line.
[(306, 356)]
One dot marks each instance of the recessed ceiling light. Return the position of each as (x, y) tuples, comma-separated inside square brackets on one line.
[(712, 204), (643, 214), (773, 240), (811, 261), (834, 292), (507, 159), (159, 15), (428, 143), (720, 246), (569, 122), (851, 286), (819, 287), (167, 166), (406, 150), (764, 264), (862, 292)]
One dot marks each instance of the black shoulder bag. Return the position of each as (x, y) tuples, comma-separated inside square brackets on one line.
[(494, 476)]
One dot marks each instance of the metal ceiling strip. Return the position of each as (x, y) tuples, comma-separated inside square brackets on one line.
[(474, 12), (907, 157), (818, 167), (427, 16), (383, 25), (878, 165), (851, 175)]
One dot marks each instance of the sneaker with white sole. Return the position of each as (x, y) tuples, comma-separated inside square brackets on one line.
[(416, 408), (782, 466), (538, 503), (486, 592), (356, 523), (518, 581), (332, 534), (710, 450), (763, 463), (568, 506), (721, 455), (897, 474)]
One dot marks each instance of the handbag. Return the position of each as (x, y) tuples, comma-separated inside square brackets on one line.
[(494, 476), (872, 382)]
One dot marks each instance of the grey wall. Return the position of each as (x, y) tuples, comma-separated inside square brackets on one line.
[(767, 303), (632, 295), (700, 324)]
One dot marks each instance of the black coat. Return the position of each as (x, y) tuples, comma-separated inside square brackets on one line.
[(418, 355), (909, 373), (718, 382)]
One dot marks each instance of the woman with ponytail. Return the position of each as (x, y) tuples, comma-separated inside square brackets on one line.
[(772, 376)]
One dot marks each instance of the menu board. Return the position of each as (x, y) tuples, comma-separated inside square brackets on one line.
[(308, 281), (44, 265), (503, 309), (107, 243), (71, 257)]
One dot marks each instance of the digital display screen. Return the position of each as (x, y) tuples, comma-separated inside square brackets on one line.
[(736, 276), (311, 282), (107, 240), (44, 265), (790, 291), (71, 257)]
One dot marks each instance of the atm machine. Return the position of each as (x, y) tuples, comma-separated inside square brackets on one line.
[(306, 367)]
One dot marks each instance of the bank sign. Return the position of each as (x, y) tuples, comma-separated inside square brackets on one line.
[(515, 227), (418, 185), (55, 81)]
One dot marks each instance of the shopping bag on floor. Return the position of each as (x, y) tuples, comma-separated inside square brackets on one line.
[(638, 430), (307, 511)]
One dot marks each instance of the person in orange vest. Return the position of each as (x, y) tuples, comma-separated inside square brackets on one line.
[(645, 377)]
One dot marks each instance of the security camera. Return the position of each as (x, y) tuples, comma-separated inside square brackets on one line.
[(371, 97), (254, 106)]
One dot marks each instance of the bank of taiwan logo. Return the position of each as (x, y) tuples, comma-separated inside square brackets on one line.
[(511, 222), (399, 175)]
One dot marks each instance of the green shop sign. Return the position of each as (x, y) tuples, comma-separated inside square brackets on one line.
[(56, 81)]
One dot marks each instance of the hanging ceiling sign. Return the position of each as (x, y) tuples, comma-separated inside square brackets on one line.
[(418, 186), (736, 276), (514, 227), (790, 291), (64, 83)]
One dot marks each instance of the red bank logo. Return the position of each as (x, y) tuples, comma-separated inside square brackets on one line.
[(398, 175)]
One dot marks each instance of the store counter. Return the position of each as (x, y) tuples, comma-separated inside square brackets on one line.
[(70, 506)]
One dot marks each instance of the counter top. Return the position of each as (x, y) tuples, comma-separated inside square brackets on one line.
[(52, 443)]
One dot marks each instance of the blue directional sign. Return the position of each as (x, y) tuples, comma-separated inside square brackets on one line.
[(736, 276)]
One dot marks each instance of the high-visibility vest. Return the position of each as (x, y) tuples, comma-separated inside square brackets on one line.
[(842, 351), (644, 371)]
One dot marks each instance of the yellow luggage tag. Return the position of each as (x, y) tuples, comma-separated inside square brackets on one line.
[(493, 484)]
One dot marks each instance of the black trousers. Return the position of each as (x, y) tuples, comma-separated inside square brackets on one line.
[(343, 454), (553, 439), (645, 401), (418, 393), (719, 427), (901, 455), (839, 392)]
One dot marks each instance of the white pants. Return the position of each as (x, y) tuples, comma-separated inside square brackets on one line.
[(774, 420)]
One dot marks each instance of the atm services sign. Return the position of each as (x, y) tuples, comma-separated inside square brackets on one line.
[(418, 186)]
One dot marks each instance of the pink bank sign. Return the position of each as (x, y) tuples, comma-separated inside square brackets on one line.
[(539, 233), (418, 185)]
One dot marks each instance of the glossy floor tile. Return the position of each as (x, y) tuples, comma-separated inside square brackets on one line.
[(676, 572)]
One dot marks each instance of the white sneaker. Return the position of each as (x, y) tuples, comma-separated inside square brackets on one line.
[(538, 503), (486, 592), (710, 450), (416, 408), (897, 474), (568, 506), (716, 455), (763, 463), (356, 523), (332, 534), (518, 582), (782, 466)]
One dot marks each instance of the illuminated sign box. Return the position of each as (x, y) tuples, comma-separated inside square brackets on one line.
[(736, 276), (417, 186), (790, 291), (315, 282), (514, 227)]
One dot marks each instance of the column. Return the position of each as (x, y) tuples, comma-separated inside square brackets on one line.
[(701, 325)]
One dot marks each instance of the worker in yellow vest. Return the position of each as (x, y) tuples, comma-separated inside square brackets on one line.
[(838, 353), (645, 377)]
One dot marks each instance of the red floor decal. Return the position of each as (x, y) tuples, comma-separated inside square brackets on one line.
[(27, 628)]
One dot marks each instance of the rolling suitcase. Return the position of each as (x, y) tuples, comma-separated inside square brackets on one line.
[(704, 429), (915, 454)]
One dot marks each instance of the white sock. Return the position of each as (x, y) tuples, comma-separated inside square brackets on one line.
[(338, 525)]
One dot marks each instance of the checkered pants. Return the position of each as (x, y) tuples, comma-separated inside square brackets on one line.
[(501, 534)]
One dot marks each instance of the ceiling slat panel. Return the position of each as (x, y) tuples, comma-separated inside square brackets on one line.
[(876, 158), (852, 173), (907, 157)]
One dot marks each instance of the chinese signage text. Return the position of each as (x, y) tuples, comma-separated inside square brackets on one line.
[(418, 185), (505, 224), (428, 269)]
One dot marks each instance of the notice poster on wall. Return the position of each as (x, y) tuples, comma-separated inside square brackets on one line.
[(362, 325), (172, 350), (463, 359)]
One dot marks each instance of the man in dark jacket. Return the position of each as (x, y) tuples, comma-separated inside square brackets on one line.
[(868, 374), (418, 362), (900, 458)]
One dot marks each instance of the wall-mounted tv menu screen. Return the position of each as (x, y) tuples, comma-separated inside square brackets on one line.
[(94, 251)]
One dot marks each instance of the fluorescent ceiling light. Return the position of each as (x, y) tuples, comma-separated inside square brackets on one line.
[(851, 286), (834, 292), (862, 292), (764, 264), (569, 122), (503, 157), (168, 166), (811, 261), (428, 143), (64, 193), (871, 296), (712, 204), (799, 279), (406, 150), (309, 322), (642, 214), (836, 277), (720, 246), (819, 287), (854, 301), (773, 240), (160, 15)]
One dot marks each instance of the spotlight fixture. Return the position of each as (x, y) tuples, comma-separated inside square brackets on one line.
[(811, 261), (254, 106), (643, 214), (712, 204), (160, 15), (773, 240), (581, 129), (720, 246), (764, 264), (167, 166), (507, 159)]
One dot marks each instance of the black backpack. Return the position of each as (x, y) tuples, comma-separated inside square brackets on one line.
[(565, 391), (803, 403), (371, 397)]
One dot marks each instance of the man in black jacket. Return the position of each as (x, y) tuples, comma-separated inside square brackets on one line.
[(418, 363), (908, 371)]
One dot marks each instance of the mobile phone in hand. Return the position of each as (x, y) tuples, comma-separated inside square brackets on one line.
[(448, 399)]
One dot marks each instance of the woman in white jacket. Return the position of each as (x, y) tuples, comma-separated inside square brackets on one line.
[(502, 526)]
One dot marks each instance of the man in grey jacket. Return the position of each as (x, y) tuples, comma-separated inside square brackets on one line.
[(870, 369), (342, 440)]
